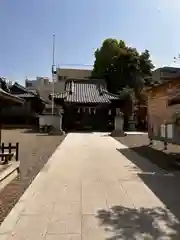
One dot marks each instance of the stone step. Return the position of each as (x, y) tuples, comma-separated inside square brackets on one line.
[(7, 175)]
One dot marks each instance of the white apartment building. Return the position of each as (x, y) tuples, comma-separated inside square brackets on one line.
[(39, 81), (44, 86)]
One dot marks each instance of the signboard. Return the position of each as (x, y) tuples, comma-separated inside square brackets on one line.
[(163, 131)]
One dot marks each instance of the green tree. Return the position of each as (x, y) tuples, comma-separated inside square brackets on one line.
[(121, 66), (146, 65), (104, 56)]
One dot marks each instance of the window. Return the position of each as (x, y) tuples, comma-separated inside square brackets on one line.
[(28, 84), (173, 101), (62, 78)]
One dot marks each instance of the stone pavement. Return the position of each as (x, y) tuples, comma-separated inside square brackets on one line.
[(89, 191)]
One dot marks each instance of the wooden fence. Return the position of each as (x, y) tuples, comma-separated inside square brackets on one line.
[(6, 156)]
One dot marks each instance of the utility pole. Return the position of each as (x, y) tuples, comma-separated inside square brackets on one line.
[(53, 75)]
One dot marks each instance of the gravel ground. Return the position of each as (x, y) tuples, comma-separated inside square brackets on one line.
[(35, 150), (155, 154)]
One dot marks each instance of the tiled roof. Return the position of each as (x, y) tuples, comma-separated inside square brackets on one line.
[(23, 90), (60, 95), (9, 97), (91, 91), (112, 96), (33, 91), (24, 95), (20, 87)]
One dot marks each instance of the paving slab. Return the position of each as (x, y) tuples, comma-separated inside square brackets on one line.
[(89, 190), (63, 237)]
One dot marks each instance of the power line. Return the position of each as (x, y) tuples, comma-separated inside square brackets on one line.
[(177, 58), (74, 64)]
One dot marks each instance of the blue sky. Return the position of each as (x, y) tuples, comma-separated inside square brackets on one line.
[(80, 26)]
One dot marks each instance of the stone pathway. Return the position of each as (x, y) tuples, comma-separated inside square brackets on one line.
[(89, 191)]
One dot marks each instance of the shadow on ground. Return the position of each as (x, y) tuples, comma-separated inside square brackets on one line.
[(42, 134), (163, 184), (164, 160), (139, 224), (32, 130)]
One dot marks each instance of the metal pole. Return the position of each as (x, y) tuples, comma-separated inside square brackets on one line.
[(0, 126), (0, 133), (53, 94), (53, 47), (53, 76)]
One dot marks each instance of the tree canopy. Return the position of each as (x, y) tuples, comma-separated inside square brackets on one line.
[(121, 66)]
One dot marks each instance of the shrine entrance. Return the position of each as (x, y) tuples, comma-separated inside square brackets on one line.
[(87, 118)]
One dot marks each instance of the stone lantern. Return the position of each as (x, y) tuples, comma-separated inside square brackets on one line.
[(118, 124)]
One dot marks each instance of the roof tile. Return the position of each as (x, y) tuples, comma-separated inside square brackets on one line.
[(91, 91)]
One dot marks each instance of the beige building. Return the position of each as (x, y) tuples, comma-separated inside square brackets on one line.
[(69, 73), (165, 73), (164, 112)]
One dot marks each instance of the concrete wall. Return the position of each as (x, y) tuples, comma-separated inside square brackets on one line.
[(156, 75), (50, 120), (63, 73)]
